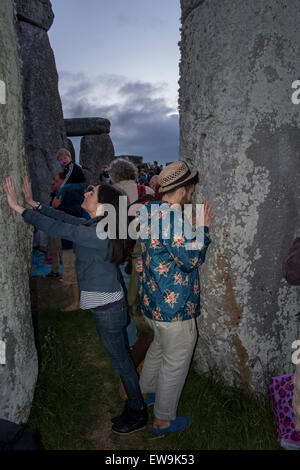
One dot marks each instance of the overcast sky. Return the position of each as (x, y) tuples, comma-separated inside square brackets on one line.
[(119, 59)]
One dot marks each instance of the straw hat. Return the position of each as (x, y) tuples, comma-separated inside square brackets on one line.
[(173, 175)]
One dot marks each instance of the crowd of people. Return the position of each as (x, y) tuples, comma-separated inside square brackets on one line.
[(115, 276)]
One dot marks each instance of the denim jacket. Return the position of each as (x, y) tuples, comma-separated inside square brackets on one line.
[(72, 197), (169, 285), (94, 272)]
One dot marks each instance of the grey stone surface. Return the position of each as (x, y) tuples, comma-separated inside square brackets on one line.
[(187, 6), (19, 372), (95, 151), (239, 128), (44, 124), (87, 126), (36, 12)]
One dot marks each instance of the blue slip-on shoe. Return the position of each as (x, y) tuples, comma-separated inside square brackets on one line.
[(150, 400), (289, 445), (178, 424)]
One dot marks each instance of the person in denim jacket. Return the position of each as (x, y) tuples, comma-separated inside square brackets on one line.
[(97, 260)]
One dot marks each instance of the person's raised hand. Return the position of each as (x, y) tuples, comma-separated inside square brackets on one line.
[(208, 217), (56, 202), (27, 192), (11, 195), (10, 192)]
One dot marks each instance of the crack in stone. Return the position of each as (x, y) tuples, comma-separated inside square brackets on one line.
[(234, 313), (32, 22)]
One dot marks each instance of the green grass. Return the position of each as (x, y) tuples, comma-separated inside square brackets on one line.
[(78, 392)]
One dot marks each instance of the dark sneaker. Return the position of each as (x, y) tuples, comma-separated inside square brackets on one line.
[(150, 400), (52, 274), (122, 416), (132, 420)]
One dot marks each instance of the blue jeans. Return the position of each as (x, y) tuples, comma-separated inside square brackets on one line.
[(131, 327), (111, 326)]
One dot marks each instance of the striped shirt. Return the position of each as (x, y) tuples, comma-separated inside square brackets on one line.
[(97, 299)]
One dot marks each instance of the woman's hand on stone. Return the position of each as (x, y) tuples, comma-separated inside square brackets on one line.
[(27, 192), (11, 195)]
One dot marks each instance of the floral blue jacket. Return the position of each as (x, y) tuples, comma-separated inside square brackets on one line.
[(169, 284)]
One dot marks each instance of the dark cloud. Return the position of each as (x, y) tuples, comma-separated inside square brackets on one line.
[(129, 20), (142, 123), (136, 89)]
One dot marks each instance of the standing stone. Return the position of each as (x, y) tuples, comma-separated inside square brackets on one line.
[(36, 12), (44, 125), (18, 372), (95, 151), (240, 129)]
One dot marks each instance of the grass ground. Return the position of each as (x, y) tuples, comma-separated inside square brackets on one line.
[(77, 393)]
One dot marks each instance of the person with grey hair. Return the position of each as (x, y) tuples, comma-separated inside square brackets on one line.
[(154, 184), (123, 175)]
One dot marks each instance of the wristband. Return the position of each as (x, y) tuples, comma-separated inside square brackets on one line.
[(37, 207)]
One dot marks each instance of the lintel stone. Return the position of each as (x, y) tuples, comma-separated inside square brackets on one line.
[(87, 126)]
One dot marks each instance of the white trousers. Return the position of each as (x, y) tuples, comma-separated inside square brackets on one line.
[(167, 364)]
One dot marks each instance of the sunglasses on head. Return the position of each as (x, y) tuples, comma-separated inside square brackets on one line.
[(89, 188)]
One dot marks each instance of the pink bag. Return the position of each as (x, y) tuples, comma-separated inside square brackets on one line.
[(281, 399)]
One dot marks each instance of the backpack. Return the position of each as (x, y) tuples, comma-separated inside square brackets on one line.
[(141, 190), (291, 264), (132, 294), (14, 437)]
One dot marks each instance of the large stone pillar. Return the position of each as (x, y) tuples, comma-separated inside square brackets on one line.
[(44, 125), (96, 147), (18, 365), (240, 129), (95, 151)]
